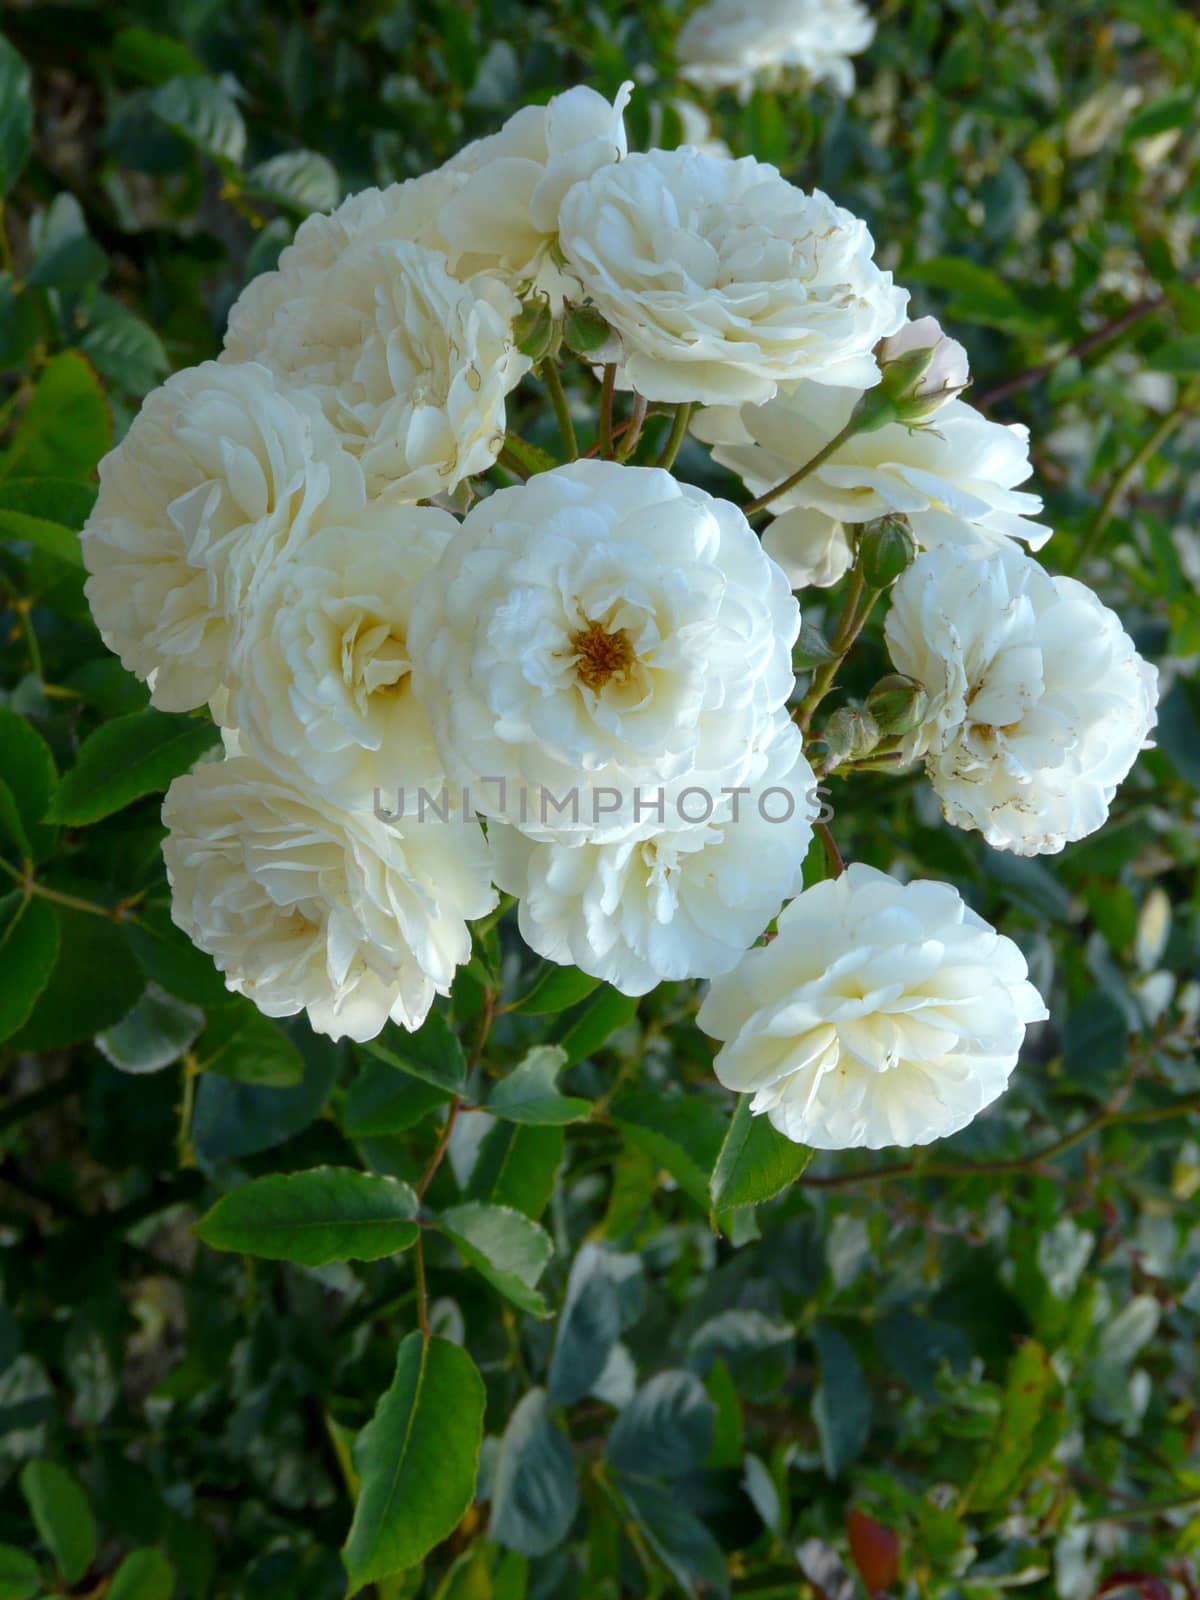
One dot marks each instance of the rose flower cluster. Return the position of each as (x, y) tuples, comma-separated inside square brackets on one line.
[(580, 689)]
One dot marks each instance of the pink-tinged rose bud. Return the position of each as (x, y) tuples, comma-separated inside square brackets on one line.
[(922, 368)]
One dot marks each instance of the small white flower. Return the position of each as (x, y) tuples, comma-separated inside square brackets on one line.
[(601, 627), (410, 366), (670, 903), (724, 280), (881, 1014), (739, 43), (1038, 701), (321, 664), (305, 906), (503, 215), (221, 473), (408, 211), (953, 478)]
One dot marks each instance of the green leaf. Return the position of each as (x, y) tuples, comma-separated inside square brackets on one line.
[(94, 983), (62, 1516), (156, 1032), (977, 294), (535, 1492), (841, 1406), (18, 1574), (299, 179), (1027, 1388), (241, 1043), (168, 957), (1094, 1040), (666, 1429), (516, 1166), (416, 1460), (27, 773), (124, 349), (588, 1328), (234, 1119), (57, 541), (755, 1162), (682, 1134), (432, 1054), (555, 989), (1168, 111), (143, 1575), (531, 456), (69, 263), (28, 951), (680, 1540), (508, 1249), (382, 1101), (529, 1093), (311, 1218), (152, 57), (126, 759), (609, 1011), (16, 115), (20, 325), (202, 111), (1178, 355), (60, 500), (66, 426)]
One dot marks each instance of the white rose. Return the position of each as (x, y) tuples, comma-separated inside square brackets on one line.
[(1038, 701), (670, 903), (305, 906), (321, 663), (954, 479), (601, 627), (221, 473), (738, 43), (880, 1014), (410, 366), (503, 215), (407, 211), (724, 280)]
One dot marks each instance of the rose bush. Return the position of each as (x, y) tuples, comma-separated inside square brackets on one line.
[(649, 1046)]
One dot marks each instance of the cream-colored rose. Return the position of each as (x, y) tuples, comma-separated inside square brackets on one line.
[(881, 1014), (954, 478), (740, 43), (321, 666), (222, 473), (410, 366), (599, 628), (306, 906), (724, 280), (1038, 701), (672, 902)]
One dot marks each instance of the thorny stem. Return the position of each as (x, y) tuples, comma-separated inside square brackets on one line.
[(633, 431), (675, 438), (607, 391), (29, 886), (185, 1154), (549, 375), (510, 462), (857, 608), (833, 855), (1107, 1118), (1121, 480), (823, 454)]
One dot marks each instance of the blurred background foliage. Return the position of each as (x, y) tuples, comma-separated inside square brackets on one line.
[(951, 1373)]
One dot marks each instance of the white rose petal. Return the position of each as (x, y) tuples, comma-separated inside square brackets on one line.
[(739, 43), (670, 903), (1038, 701), (321, 664), (600, 627), (724, 280), (221, 474), (410, 366), (954, 478), (409, 211), (305, 906), (881, 1014), (503, 215)]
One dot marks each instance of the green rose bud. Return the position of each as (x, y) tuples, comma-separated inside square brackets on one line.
[(850, 734), (885, 549), (533, 330), (875, 409), (584, 330), (898, 704)]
